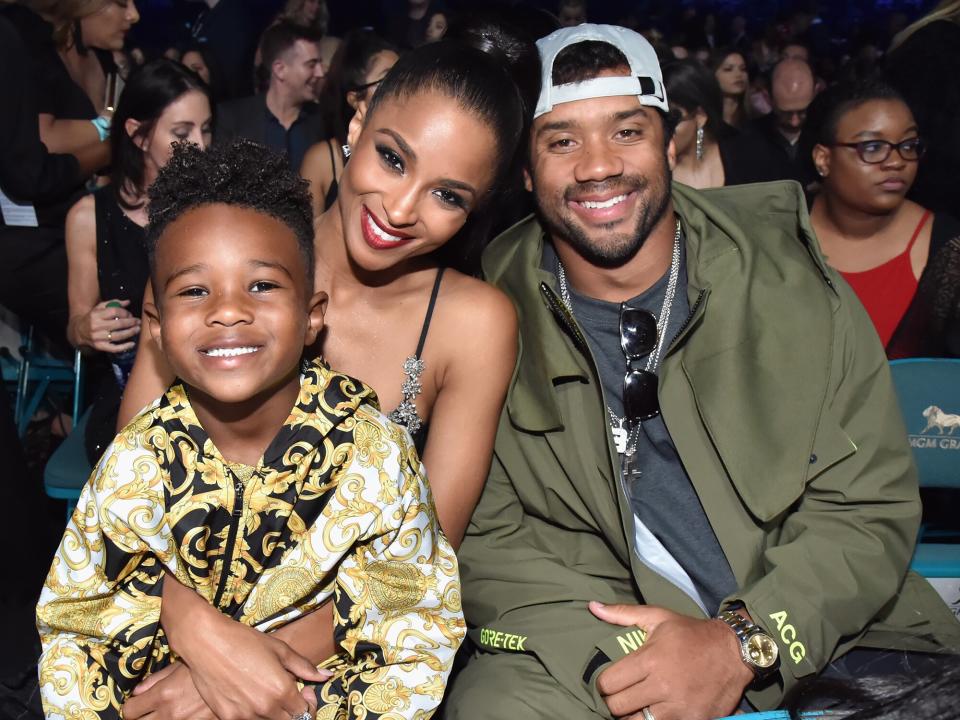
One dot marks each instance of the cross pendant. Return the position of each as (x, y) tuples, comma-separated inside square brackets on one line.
[(620, 439)]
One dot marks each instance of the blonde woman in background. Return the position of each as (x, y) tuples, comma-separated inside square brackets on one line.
[(75, 108), (920, 58)]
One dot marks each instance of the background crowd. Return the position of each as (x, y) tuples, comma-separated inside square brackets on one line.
[(855, 101)]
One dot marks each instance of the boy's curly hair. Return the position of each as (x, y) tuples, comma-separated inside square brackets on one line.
[(243, 174)]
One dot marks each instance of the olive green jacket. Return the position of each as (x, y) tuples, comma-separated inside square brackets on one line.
[(778, 398)]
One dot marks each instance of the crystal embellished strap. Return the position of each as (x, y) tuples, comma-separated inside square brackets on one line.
[(406, 412)]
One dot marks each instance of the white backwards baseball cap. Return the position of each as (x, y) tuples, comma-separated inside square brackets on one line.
[(645, 79)]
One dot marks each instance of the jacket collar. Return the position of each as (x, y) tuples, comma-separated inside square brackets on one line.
[(547, 355), (326, 399)]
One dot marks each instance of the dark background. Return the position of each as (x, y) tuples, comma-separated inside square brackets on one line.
[(852, 21)]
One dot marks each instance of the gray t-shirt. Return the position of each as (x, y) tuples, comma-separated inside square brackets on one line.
[(661, 495)]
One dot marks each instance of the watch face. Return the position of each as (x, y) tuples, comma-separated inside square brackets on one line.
[(762, 650)]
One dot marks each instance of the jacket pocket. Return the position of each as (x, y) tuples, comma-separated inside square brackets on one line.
[(766, 501), (831, 445), (772, 437)]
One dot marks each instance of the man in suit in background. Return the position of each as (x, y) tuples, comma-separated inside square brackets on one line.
[(793, 88), (284, 117)]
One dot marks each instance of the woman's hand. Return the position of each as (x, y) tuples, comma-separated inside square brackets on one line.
[(168, 694), (240, 673), (243, 674), (107, 329)]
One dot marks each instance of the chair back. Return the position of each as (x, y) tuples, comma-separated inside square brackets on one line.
[(929, 394)]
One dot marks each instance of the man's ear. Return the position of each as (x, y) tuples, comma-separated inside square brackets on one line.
[(316, 308), (132, 128), (672, 154), (153, 321), (527, 180), (356, 123), (278, 69)]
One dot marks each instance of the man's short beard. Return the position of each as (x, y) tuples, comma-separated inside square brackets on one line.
[(616, 248)]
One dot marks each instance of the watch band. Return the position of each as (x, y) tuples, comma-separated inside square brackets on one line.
[(744, 629)]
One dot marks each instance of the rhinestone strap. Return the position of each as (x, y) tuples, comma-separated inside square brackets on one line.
[(406, 412)]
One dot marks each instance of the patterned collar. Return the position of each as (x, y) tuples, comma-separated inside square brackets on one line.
[(326, 399)]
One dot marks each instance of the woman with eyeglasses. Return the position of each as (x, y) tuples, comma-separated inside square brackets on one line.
[(902, 260), (360, 63)]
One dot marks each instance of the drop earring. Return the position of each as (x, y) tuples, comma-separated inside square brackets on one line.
[(699, 144), (346, 151)]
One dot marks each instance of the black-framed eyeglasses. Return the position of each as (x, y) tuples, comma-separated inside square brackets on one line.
[(873, 152), (638, 338)]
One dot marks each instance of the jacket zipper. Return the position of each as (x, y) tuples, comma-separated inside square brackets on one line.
[(686, 323), (558, 308), (563, 313), (227, 562)]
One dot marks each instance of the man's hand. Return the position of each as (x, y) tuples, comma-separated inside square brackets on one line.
[(687, 669)]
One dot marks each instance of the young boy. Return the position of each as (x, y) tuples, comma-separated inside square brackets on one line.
[(264, 488)]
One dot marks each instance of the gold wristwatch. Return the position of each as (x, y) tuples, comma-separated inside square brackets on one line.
[(757, 649)]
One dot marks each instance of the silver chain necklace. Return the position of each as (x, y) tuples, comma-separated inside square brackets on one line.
[(626, 441)]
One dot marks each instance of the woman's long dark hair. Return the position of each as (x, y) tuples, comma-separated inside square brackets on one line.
[(929, 693), (148, 92), (482, 84), (690, 86), (215, 85), (348, 73), (718, 55)]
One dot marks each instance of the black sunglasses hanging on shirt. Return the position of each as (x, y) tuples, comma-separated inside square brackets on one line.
[(638, 338)]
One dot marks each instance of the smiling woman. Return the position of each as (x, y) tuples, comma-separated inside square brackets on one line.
[(163, 103), (900, 259), (394, 252)]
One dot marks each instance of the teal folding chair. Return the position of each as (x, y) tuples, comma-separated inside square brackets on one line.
[(929, 394), (68, 468), (36, 375)]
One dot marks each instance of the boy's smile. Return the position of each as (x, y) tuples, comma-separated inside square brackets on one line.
[(234, 306)]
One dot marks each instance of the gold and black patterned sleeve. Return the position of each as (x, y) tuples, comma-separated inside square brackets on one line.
[(397, 610), (99, 611)]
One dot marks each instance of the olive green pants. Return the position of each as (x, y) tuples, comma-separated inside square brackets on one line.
[(505, 686)]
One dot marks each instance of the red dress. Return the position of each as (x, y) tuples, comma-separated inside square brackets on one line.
[(887, 290)]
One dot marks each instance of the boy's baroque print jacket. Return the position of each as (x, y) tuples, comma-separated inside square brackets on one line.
[(338, 506)]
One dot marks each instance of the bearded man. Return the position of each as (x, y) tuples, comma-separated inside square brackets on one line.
[(702, 490)]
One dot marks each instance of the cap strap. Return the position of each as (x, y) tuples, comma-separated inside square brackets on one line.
[(603, 87)]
